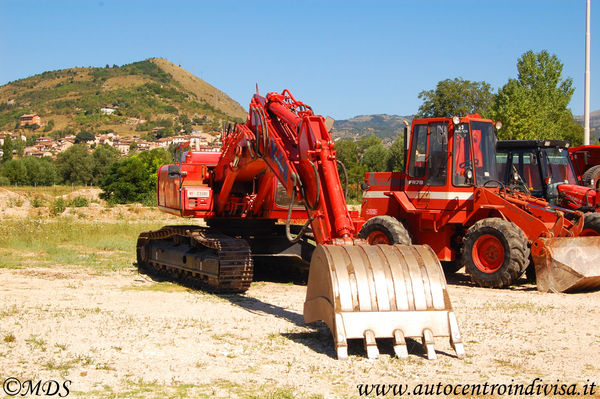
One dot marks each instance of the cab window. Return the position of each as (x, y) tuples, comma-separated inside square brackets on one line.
[(437, 162), (418, 152)]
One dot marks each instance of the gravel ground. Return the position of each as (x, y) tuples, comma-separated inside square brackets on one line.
[(125, 334)]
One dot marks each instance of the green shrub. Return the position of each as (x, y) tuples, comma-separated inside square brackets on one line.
[(79, 202), (58, 206), (37, 202)]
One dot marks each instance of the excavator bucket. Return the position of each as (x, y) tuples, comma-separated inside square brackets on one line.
[(381, 291), (567, 264)]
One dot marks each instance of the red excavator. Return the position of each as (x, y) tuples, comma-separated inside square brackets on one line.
[(450, 198), (279, 167)]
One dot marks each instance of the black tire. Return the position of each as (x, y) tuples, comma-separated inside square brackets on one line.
[(591, 224), (380, 229), (495, 253), (453, 266), (591, 176), (530, 276)]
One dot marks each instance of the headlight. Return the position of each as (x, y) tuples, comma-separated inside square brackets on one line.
[(455, 120)]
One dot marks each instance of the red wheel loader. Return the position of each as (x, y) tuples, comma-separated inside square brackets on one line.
[(278, 167), (450, 198)]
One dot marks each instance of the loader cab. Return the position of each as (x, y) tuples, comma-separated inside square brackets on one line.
[(452, 152), (540, 166)]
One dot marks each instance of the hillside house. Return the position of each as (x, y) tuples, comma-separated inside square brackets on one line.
[(14, 137), (123, 145), (108, 110), (30, 119), (37, 151)]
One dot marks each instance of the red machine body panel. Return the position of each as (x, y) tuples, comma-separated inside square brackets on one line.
[(585, 157)]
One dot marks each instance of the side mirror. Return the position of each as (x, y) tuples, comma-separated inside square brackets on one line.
[(174, 172), (329, 124), (364, 186)]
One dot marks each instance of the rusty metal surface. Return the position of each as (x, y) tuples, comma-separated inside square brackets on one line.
[(567, 264), (229, 269), (381, 291)]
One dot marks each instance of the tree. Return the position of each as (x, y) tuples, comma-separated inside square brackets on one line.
[(456, 97), (347, 153), (534, 106), (20, 147), (40, 171), (84, 137), (395, 161), (7, 148), (103, 157), (75, 165), (375, 158), (128, 181), (15, 171), (134, 179)]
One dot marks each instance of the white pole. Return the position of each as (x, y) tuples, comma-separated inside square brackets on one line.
[(586, 111)]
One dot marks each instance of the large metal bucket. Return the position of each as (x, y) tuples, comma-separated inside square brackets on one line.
[(381, 291), (567, 264)]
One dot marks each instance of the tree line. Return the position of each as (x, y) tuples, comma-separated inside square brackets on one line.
[(122, 179), (532, 106)]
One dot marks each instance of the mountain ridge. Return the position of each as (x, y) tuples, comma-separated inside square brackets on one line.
[(153, 91)]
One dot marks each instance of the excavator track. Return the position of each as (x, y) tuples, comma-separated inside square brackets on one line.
[(222, 262)]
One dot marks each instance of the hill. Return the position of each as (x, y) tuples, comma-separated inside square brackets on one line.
[(594, 126), (381, 125), (142, 95), (389, 126)]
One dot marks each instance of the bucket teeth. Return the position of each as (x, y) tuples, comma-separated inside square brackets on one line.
[(428, 344), (455, 339), (371, 345), (342, 352), (400, 348), (381, 291)]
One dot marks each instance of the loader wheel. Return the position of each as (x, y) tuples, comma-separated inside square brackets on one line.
[(495, 253), (384, 230), (591, 224), (591, 176)]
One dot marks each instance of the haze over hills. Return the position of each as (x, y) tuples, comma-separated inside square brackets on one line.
[(388, 127), (381, 125), (144, 94)]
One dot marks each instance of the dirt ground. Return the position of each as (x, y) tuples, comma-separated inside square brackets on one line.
[(125, 334)]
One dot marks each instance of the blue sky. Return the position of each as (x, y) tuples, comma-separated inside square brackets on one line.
[(345, 58)]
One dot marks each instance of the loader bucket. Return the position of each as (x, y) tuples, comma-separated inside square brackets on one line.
[(380, 291), (567, 264)]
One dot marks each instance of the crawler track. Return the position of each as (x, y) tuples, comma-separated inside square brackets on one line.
[(222, 262)]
